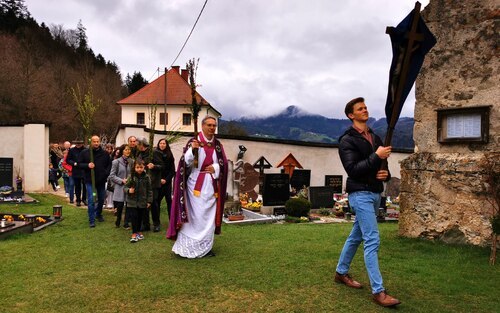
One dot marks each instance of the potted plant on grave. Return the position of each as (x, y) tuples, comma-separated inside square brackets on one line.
[(232, 211)]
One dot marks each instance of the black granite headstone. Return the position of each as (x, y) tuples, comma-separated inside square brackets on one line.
[(321, 197), (300, 178), (6, 172), (334, 181), (276, 189), (279, 210)]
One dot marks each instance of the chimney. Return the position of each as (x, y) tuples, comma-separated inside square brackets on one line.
[(185, 74), (176, 68)]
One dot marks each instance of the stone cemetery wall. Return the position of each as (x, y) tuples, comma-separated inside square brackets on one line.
[(442, 184)]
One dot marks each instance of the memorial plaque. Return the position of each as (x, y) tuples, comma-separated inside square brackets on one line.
[(300, 178), (6, 172), (334, 181), (276, 189), (321, 197), (279, 210)]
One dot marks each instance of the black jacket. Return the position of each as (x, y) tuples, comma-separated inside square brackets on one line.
[(72, 158), (168, 168), (102, 162), (360, 161)]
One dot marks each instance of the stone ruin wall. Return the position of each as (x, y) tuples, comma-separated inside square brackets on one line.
[(442, 185)]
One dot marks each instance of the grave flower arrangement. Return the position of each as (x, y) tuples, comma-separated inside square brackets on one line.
[(5, 190), (9, 218), (243, 199), (254, 206)]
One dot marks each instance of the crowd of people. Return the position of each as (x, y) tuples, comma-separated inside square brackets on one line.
[(131, 179)]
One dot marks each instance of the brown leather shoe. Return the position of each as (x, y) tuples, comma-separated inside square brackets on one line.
[(347, 280), (383, 299)]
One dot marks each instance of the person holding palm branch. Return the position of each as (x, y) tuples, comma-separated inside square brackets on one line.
[(101, 166)]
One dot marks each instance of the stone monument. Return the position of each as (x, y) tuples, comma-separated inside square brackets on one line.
[(443, 194)]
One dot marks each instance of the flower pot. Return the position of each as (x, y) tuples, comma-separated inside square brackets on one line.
[(236, 217)]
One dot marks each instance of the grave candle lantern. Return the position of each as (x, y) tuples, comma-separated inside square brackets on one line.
[(57, 211), (30, 218)]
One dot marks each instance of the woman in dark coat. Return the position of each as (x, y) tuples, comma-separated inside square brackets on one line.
[(167, 173)]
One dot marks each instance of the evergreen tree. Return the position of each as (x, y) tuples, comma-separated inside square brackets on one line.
[(81, 38), (13, 14), (135, 82), (16, 8)]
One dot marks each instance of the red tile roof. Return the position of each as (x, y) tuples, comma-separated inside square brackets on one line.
[(178, 91)]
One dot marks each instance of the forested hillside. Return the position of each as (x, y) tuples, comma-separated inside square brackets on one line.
[(40, 65)]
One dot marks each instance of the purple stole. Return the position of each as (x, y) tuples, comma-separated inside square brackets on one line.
[(209, 152)]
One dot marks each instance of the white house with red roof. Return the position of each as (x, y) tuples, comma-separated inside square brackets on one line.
[(171, 93)]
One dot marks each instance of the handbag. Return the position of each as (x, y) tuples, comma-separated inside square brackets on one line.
[(110, 186)]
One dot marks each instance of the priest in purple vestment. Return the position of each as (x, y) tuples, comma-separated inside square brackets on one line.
[(199, 195)]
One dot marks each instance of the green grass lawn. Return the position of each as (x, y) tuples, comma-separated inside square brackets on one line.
[(69, 267)]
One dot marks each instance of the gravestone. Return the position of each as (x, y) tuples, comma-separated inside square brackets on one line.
[(289, 164), (321, 197), (248, 178), (279, 210), (334, 181), (261, 164), (6, 172), (300, 178), (276, 189)]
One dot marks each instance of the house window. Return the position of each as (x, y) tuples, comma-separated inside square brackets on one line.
[(140, 118), (186, 119), (163, 118), (462, 125)]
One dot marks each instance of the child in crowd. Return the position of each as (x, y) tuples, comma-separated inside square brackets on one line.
[(139, 196), (53, 177), (65, 170)]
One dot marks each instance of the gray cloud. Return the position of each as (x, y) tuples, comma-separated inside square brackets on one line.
[(256, 57)]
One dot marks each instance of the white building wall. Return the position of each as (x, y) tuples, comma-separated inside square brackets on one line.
[(175, 112)]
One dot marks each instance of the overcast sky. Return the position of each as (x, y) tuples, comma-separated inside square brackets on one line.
[(257, 57)]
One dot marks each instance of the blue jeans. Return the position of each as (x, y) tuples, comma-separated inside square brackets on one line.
[(66, 184), (93, 210), (71, 188), (365, 204)]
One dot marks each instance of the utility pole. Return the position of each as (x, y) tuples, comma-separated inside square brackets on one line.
[(165, 103)]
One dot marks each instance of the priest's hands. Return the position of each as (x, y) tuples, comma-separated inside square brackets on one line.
[(210, 169)]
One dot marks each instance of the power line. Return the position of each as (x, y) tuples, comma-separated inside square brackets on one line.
[(192, 29), (157, 71)]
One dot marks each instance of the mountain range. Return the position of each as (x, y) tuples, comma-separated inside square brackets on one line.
[(296, 124)]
